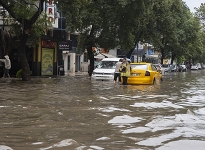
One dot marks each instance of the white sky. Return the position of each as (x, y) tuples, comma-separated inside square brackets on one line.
[(193, 3)]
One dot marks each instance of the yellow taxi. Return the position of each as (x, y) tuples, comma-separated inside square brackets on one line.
[(143, 73)]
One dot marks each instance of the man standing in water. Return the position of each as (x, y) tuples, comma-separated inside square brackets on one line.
[(125, 71), (117, 72), (7, 65)]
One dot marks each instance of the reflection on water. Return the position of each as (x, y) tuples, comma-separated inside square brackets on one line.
[(73, 112)]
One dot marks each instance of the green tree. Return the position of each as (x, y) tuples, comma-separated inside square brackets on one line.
[(165, 21), (132, 21), (187, 34), (172, 28), (200, 13), (25, 13), (104, 23)]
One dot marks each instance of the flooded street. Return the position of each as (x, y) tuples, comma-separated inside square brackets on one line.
[(74, 113)]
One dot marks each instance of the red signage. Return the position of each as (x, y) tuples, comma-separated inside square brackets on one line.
[(47, 43)]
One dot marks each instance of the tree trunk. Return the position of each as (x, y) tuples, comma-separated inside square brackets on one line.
[(131, 50), (172, 58), (91, 57), (23, 59), (163, 55), (91, 43)]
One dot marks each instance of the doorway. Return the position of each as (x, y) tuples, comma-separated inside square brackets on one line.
[(77, 63), (68, 66)]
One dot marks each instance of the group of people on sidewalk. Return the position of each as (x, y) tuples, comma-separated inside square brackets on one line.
[(122, 70)]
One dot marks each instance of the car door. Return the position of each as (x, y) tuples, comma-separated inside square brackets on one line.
[(156, 74)]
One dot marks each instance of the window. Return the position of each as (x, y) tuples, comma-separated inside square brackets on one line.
[(107, 64), (139, 66), (154, 68)]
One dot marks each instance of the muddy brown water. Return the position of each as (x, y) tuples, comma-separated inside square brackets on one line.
[(75, 113)]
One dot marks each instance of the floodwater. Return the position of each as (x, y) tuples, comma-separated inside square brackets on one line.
[(75, 113)]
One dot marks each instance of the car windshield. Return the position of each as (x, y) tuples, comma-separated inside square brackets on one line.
[(139, 66), (107, 65), (97, 63)]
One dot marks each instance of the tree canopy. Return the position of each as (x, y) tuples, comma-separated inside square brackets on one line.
[(166, 24), (24, 15)]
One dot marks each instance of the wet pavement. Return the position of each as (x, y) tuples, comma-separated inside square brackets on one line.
[(74, 113)]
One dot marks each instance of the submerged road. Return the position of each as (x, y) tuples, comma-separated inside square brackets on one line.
[(75, 113)]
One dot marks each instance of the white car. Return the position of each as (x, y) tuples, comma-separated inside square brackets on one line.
[(166, 67), (182, 68), (106, 69), (194, 67), (199, 66)]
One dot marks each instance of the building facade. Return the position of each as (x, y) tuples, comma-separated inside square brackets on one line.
[(56, 52)]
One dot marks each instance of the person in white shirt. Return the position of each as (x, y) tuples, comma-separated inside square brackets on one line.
[(7, 65), (117, 72)]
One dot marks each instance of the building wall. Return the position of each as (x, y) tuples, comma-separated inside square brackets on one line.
[(69, 62)]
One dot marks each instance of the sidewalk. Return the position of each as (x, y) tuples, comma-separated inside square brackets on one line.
[(79, 73)]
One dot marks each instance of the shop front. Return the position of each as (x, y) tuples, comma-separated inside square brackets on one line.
[(66, 57), (45, 58)]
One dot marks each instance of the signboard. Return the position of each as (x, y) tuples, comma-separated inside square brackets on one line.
[(166, 61), (50, 11), (65, 45), (150, 51), (47, 43), (47, 61)]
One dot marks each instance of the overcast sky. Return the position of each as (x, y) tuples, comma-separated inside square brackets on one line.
[(193, 3)]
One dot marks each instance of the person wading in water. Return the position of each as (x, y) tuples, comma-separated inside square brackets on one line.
[(7, 65)]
